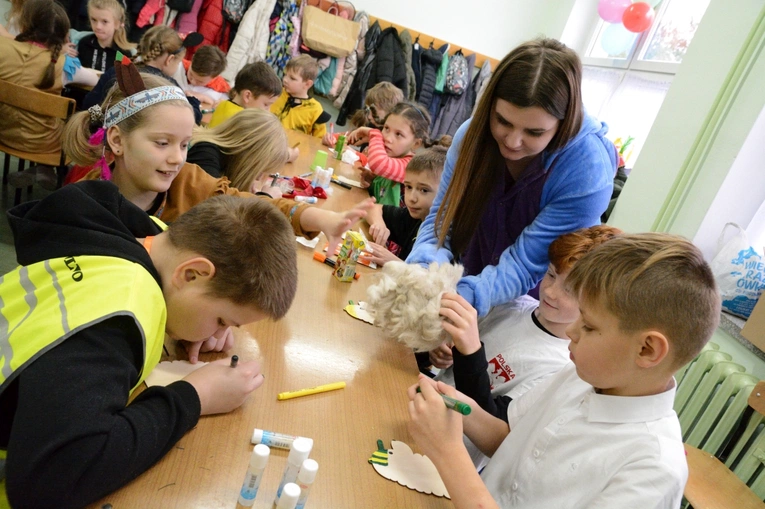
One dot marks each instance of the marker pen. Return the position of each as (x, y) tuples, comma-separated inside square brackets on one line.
[(311, 390), (254, 474), (289, 497), (321, 257), (234, 360), (301, 448), (274, 439), (453, 404), (305, 479)]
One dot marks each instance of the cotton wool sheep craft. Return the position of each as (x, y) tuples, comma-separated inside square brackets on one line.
[(406, 301)]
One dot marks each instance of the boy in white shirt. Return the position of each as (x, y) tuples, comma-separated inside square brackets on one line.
[(524, 341), (602, 432)]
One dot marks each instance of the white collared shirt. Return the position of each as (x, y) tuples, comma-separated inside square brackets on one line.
[(572, 448)]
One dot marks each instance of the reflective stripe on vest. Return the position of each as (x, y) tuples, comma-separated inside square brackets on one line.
[(43, 304)]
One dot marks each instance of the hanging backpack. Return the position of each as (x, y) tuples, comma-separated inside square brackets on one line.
[(233, 10), (456, 74)]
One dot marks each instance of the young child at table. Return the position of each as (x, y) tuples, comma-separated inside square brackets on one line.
[(34, 60), (99, 50), (160, 52), (295, 107), (99, 286), (602, 432), (524, 340), (244, 148), (390, 150), (200, 76), (148, 141), (256, 86), (380, 99), (394, 229)]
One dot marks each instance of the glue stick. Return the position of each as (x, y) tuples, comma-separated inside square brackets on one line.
[(289, 498), (305, 479), (306, 199), (301, 448), (273, 439), (251, 482)]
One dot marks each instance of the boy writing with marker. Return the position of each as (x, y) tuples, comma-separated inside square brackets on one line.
[(602, 432), (84, 319)]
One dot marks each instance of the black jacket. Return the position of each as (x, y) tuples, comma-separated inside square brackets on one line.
[(357, 93), (92, 55), (389, 65), (429, 64), (70, 436)]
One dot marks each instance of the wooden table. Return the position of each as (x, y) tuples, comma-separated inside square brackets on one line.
[(316, 343)]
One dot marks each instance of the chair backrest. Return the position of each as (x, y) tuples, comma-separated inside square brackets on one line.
[(36, 101), (757, 398)]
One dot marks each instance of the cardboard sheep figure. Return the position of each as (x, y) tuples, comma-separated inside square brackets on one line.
[(406, 301)]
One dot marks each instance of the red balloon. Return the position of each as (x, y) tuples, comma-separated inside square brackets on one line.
[(638, 17)]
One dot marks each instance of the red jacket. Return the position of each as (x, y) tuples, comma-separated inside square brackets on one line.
[(212, 26)]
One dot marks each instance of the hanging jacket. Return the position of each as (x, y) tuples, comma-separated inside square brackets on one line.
[(389, 65), (212, 26), (480, 82), (352, 61), (251, 41), (457, 108), (416, 67), (152, 13), (410, 92), (277, 53), (358, 90), (188, 21), (334, 88), (431, 60), (77, 391)]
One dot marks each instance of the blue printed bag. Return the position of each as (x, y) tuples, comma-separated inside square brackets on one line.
[(739, 270)]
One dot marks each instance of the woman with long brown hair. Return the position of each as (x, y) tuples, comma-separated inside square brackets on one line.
[(529, 166)]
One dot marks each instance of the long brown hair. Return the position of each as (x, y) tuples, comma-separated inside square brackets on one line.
[(45, 22), (543, 73)]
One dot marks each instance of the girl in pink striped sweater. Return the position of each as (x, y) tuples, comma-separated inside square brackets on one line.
[(390, 150)]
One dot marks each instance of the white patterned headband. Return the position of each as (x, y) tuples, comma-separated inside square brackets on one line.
[(138, 101)]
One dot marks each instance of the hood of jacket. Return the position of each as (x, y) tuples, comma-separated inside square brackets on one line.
[(431, 57), (86, 218), (590, 126)]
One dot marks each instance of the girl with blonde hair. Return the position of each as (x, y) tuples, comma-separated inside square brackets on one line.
[(107, 20), (244, 148)]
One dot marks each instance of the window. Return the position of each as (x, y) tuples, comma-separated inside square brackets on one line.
[(627, 75)]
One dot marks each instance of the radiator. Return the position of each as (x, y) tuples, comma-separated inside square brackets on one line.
[(711, 403)]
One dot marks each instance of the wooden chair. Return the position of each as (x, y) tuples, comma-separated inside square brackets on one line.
[(40, 103), (711, 484)]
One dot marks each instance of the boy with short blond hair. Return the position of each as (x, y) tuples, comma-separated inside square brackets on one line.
[(256, 86), (602, 432), (295, 107), (99, 286)]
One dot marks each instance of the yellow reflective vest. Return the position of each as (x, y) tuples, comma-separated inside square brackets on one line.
[(43, 304)]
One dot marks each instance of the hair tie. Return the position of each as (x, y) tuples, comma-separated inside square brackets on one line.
[(53, 60)]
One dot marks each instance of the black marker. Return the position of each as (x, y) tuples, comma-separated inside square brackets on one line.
[(234, 360)]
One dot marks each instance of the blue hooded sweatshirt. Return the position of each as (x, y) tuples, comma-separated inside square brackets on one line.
[(558, 193)]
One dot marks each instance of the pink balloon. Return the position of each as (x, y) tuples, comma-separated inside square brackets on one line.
[(613, 10), (638, 17)]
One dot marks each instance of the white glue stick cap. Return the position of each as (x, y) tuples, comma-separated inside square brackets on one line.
[(259, 457), (308, 471), (301, 448), (257, 436), (290, 496)]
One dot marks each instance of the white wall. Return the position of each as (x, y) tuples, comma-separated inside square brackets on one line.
[(490, 27)]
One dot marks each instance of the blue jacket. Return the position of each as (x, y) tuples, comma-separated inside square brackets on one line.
[(575, 192)]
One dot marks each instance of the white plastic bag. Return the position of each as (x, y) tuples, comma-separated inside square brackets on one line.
[(739, 270)]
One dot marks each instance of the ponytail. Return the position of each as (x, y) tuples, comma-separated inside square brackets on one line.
[(75, 143), (443, 141), (49, 76), (45, 23)]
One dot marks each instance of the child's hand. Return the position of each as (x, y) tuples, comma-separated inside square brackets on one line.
[(461, 322), (336, 223), (328, 140), (359, 136), (379, 233), (222, 388), (294, 154), (436, 429), (218, 342), (380, 255), (366, 178), (441, 357), (265, 187), (69, 49)]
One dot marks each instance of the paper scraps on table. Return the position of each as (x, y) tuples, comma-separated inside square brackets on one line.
[(350, 182), (168, 372), (414, 471), (308, 243), (359, 311)]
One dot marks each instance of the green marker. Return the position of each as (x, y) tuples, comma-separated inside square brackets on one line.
[(457, 406)]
